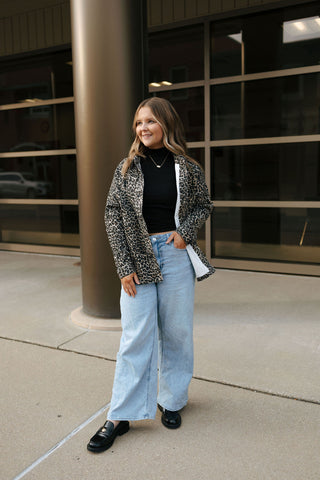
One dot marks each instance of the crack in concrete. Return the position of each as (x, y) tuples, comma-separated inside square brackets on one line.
[(70, 340)]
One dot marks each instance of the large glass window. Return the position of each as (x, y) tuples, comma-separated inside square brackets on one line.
[(275, 40), (49, 216), (198, 155), (260, 107), (42, 127), (189, 103), (226, 48), (41, 77), (40, 224), (287, 172), (269, 234), (176, 56), (266, 108), (49, 177)]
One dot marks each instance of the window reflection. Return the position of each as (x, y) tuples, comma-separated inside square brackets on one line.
[(271, 234), (40, 224), (38, 177), (287, 172), (22, 185), (189, 103), (198, 155), (301, 29), (226, 121), (44, 127), (226, 44), (41, 77), (273, 40), (176, 56), (266, 108)]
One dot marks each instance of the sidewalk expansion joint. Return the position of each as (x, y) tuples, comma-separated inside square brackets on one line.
[(258, 390), (195, 377), (59, 349)]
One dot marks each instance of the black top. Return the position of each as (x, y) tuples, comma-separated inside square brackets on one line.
[(160, 191)]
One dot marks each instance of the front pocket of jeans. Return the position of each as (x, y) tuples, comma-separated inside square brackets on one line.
[(179, 249)]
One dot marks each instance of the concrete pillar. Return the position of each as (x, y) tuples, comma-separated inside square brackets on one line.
[(108, 45)]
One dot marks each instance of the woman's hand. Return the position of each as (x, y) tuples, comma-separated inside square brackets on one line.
[(129, 284), (178, 241)]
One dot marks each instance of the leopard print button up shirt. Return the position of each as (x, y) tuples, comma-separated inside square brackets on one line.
[(127, 230)]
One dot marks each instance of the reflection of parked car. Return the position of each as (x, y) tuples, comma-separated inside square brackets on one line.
[(23, 185)]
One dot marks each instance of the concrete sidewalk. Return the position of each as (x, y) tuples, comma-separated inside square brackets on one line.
[(254, 409)]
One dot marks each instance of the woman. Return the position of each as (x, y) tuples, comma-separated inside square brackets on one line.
[(158, 199)]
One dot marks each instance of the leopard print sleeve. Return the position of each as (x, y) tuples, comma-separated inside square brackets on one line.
[(115, 228)]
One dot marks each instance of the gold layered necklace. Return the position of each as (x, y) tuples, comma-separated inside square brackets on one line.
[(156, 164)]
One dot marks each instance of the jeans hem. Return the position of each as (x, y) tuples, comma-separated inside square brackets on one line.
[(174, 409), (132, 419)]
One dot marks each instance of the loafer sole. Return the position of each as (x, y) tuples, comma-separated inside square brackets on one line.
[(124, 429), (169, 425)]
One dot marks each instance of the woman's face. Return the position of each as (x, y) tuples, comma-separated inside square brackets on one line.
[(148, 129)]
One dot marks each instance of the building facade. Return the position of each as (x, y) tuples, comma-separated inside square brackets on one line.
[(245, 77)]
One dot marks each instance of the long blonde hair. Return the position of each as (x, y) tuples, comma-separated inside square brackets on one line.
[(169, 121)]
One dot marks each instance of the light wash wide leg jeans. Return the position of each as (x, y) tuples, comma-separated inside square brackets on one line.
[(157, 326)]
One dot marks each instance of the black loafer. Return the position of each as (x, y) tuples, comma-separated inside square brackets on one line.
[(106, 435), (170, 419)]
